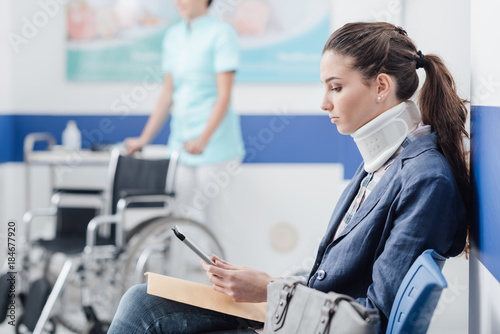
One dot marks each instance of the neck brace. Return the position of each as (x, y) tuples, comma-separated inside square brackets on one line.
[(380, 138)]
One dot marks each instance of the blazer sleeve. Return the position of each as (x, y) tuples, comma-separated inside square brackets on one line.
[(426, 214)]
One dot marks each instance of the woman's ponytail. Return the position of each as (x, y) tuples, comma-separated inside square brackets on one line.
[(446, 113)]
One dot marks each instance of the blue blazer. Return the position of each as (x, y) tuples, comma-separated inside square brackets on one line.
[(415, 206)]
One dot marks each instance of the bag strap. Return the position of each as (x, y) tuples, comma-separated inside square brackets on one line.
[(328, 310), (286, 295)]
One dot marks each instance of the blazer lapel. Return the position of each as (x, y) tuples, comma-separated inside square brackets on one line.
[(372, 200), (343, 204), (415, 148)]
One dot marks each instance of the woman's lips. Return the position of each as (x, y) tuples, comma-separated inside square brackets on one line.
[(334, 119)]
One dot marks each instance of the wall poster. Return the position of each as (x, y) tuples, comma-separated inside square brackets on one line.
[(120, 40)]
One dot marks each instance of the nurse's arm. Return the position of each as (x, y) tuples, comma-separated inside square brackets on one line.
[(156, 120), (224, 87)]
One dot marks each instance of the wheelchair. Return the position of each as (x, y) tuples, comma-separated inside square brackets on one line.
[(77, 278)]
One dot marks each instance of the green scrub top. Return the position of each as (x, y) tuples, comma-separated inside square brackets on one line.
[(194, 55)]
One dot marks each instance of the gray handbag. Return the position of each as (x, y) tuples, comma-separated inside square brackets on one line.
[(295, 308)]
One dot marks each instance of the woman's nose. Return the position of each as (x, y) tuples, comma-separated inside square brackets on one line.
[(326, 105)]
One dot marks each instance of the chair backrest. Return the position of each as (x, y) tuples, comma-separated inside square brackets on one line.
[(418, 295), (138, 175)]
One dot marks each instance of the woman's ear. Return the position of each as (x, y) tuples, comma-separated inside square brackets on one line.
[(383, 84)]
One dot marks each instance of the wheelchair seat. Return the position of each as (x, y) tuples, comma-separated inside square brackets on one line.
[(71, 226)]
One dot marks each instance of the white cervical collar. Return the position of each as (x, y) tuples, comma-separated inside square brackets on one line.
[(380, 138)]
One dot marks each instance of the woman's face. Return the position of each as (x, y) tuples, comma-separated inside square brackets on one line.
[(189, 9), (349, 100)]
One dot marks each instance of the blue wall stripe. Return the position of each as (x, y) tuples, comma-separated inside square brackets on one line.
[(268, 138), (486, 181), (7, 130)]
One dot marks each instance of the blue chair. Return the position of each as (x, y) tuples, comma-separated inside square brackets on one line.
[(418, 295)]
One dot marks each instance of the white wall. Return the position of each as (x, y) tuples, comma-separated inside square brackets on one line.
[(443, 27), (365, 10), (485, 78), (484, 299), (5, 59)]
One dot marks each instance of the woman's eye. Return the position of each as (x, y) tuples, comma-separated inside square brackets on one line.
[(336, 89)]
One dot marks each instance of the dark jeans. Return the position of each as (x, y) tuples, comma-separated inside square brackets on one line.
[(139, 312)]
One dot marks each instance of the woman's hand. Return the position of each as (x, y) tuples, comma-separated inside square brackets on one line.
[(195, 146), (243, 284), (134, 144)]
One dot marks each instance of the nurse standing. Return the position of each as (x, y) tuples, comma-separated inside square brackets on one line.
[(200, 57)]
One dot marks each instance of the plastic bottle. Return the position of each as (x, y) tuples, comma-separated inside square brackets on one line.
[(71, 137)]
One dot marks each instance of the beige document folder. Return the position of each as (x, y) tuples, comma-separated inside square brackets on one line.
[(203, 296)]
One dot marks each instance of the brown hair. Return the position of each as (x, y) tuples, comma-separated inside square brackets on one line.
[(380, 47)]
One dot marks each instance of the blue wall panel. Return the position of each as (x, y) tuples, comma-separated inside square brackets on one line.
[(268, 138), (486, 180)]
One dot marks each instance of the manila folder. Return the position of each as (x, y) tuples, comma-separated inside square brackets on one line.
[(203, 296)]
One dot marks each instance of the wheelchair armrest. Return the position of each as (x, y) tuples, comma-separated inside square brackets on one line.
[(31, 214), (27, 219), (62, 193), (92, 231), (125, 202), (140, 192)]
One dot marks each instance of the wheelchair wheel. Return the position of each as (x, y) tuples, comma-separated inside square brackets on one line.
[(153, 247)]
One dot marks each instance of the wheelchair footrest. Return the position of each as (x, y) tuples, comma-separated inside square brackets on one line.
[(90, 314), (35, 301)]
